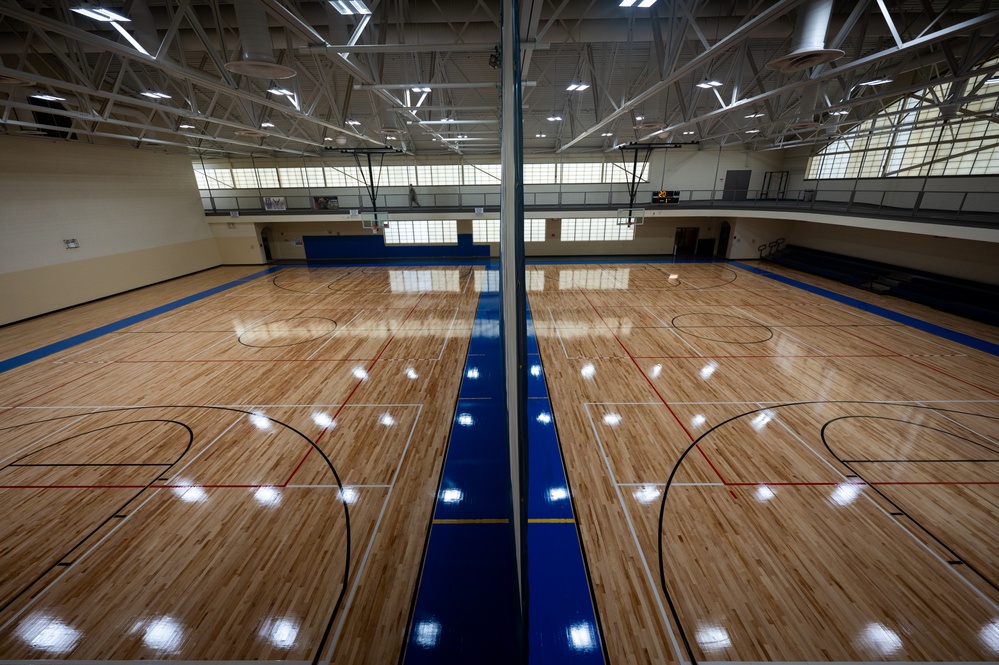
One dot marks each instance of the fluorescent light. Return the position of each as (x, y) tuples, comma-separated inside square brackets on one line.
[(646, 3), (756, 115), (554, 118), (627, 3), (267, 124), (350, 7), (991, 81), (353, 122), (876, 82), (842, 112), (639, 118), (607, 134), (187, 126), (100, 14), (578, 87), (131, 40), (280, 91), (687, 133), (708, 83), (152, 94), (391, 138), (420, 88), (540, 136), (328, 138), (752, 131), (47, 97)]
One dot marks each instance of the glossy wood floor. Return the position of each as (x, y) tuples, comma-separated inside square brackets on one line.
[(250, 476), (759, 473), (763, 474)]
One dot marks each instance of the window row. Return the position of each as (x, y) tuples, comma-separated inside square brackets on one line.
[(910, 138), (426, 175), (445, 232)]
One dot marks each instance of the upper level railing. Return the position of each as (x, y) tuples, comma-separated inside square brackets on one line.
[(977, 208)]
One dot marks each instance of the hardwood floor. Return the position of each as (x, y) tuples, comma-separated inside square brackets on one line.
[(762, 474), (759, 473)]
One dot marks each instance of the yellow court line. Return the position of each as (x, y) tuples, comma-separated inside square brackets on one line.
[(491, 521), (552, 520)]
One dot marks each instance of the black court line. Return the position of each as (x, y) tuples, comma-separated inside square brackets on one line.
[(116, 514), (318, 336), (898, 511), (750, 325)]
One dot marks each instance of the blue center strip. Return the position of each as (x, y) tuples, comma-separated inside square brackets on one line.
[(70, 342), (918, 324), (562, 620), (467, 603)]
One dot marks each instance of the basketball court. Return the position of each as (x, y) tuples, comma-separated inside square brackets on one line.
[(759, 472)]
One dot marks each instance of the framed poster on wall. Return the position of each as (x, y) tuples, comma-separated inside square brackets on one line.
[(325, 203), (275, 203)]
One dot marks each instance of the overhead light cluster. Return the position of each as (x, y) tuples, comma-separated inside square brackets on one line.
[(578, 87), (350, 7), (281, 91), (840, 112), (756, 115), (107, 16), (153, 94), (607, 134), (709, 83), (554, 118), (420, 88), (47, 97), (990, 81), (186, 125), (267, 125), (353, 122), (641, 3), (540, 136), (688, 133), (876, 82), (99, 13)]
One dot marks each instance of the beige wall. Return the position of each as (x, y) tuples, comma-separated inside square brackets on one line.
[(136, 214), (968, 259)]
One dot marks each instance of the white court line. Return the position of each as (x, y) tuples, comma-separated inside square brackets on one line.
[(963, 426), (337, 486), (675, 332), (557, 333), (117, 525), (784, 332), (336, 332), (206, 448), (641, 555), (657, 483), (888, 515), (907, 330), (448, 334), (331, 649), (69, 421)]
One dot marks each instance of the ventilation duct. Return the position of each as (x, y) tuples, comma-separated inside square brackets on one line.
[(808, 44), (258, 51)]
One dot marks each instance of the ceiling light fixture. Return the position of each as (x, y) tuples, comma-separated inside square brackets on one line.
[(99, 13), (350, 7), (185, 125), (267, 124), (47, 97), (876, 82), (420, 88), (607, 134), (353, 122), (153, 94), (540, 136), (280, 91), (991, 81), (709, 83), (554, 118), (578, 87), (687, 133), (756, 115), (841, 112), (752, 131), (642, 4)]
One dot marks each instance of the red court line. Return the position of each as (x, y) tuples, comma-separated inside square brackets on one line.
[(880, 346), (354, 390), (652, 385), (134, 487)]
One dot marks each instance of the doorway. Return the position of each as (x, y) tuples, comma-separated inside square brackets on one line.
[(265, 241), (685, 241), (736, 185), (723, 235)]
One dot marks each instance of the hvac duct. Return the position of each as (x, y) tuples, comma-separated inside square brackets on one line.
[(258, 51), (808, 44)]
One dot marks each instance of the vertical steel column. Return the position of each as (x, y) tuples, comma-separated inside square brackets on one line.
[(512, 288)]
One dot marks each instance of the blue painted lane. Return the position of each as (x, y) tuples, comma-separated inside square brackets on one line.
[(467, 605), (69, 342), (562, 622), (918, 324)]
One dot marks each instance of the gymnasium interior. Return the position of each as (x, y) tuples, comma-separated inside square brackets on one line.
[(541, 331)]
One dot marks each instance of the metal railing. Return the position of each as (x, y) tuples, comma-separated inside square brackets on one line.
[(979, 208)]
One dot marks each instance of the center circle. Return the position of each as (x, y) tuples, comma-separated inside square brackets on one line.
[(287, 332), (722, 328)]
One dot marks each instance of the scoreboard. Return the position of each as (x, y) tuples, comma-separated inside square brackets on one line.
[(663, 197)]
